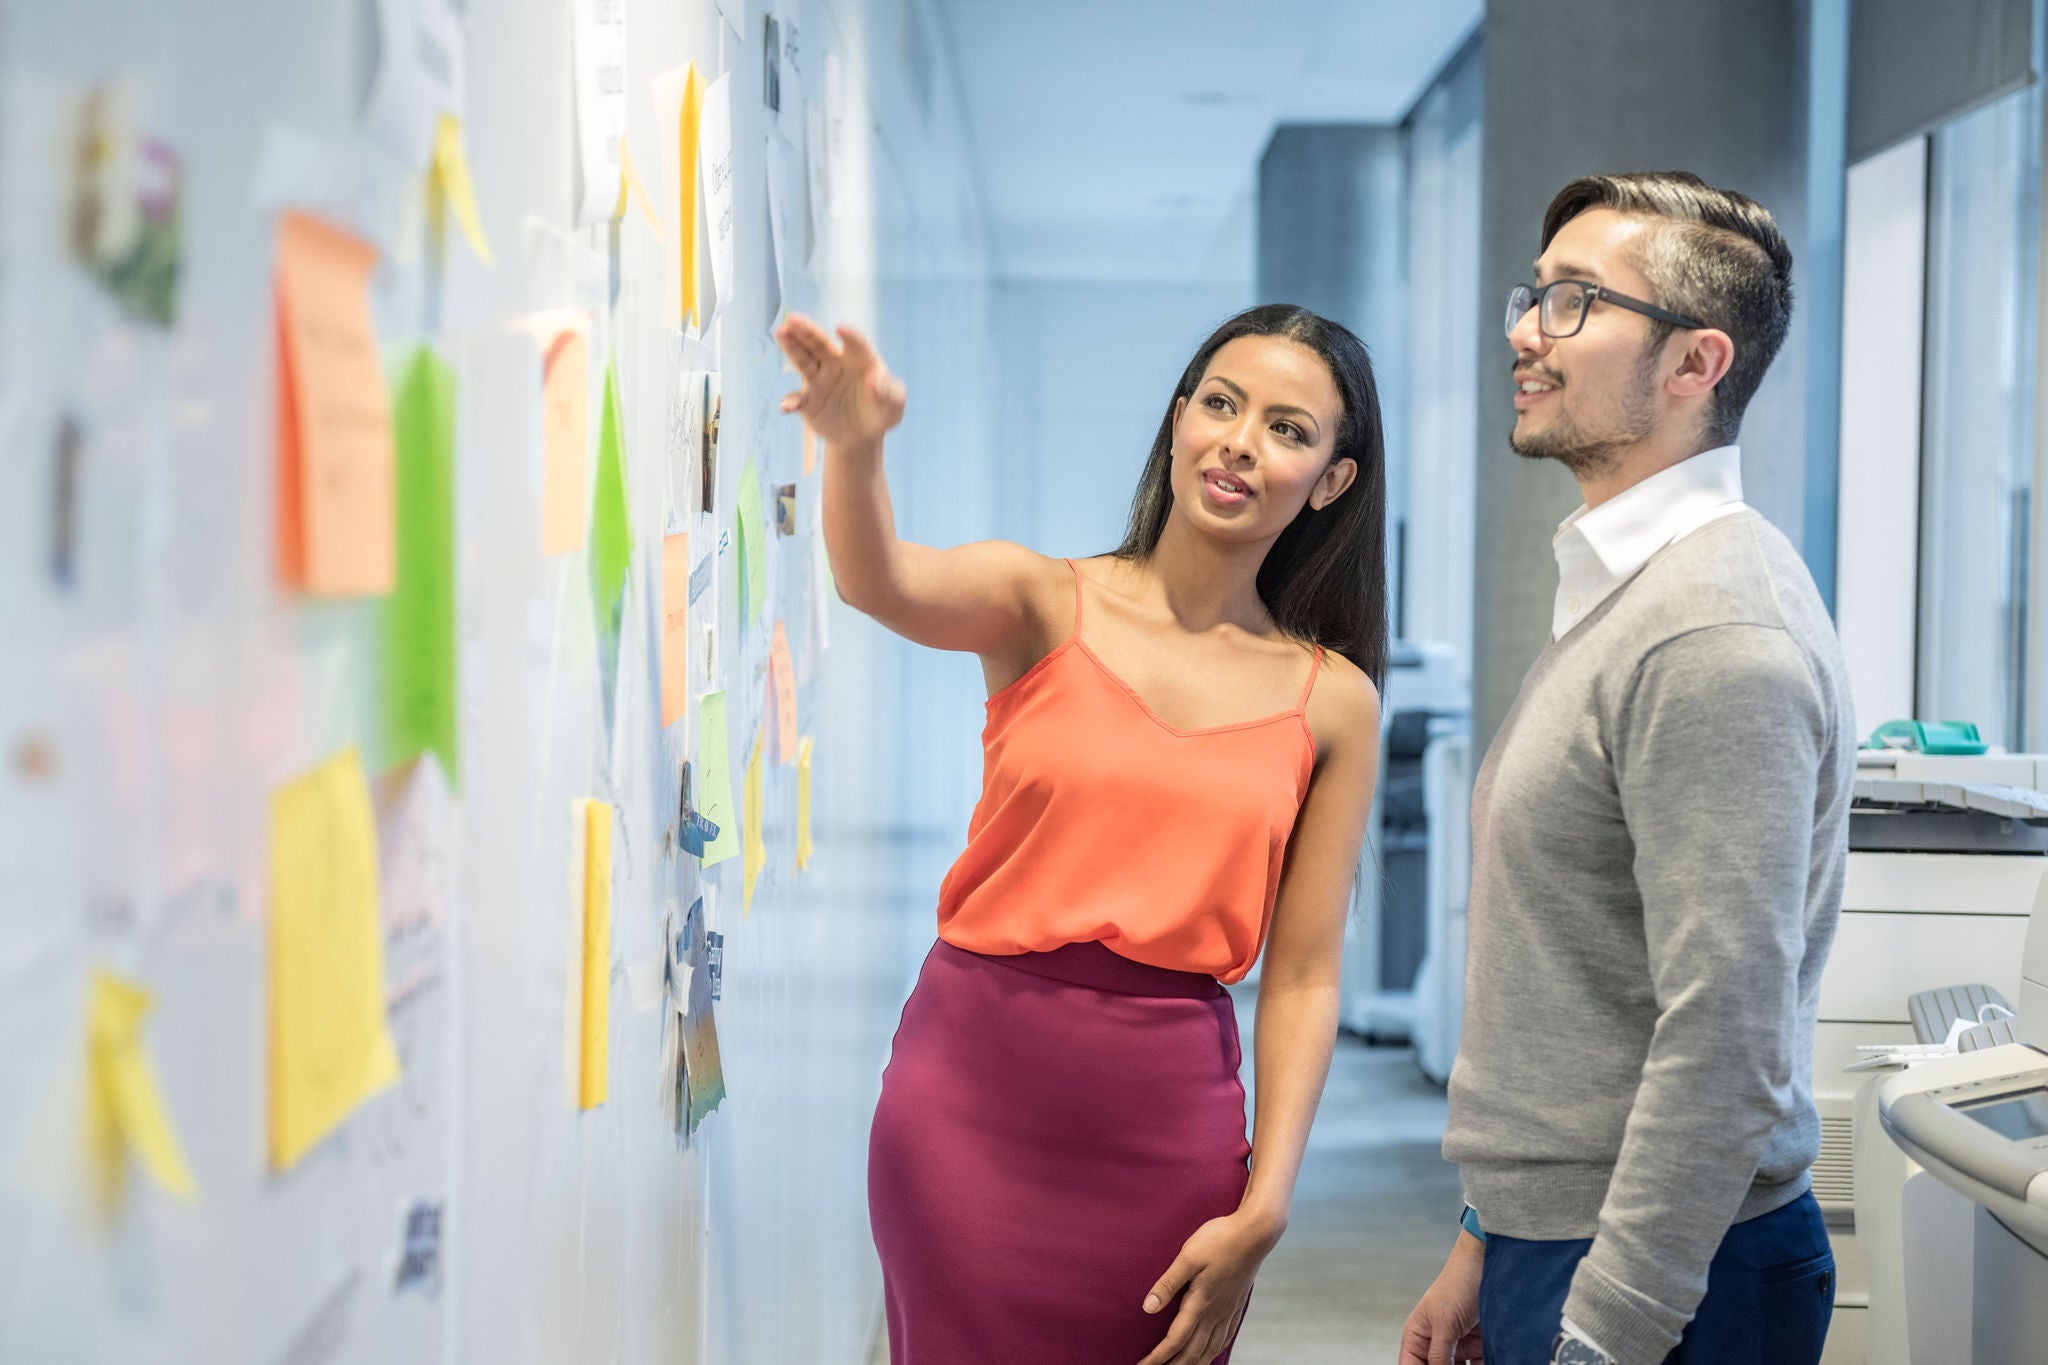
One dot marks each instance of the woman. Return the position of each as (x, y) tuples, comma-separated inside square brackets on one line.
[(1181, 744)]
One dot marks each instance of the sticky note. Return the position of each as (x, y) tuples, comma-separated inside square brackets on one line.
[(756, 852), (678, 114), (419, 616), (783, 671), (675, 623), (715, 767), (329, 1046), (451, 187), (334, 498), (565, 426), (691, 121), (125, 1110), (611, 532), (803, 801), (753, 544), (631, 184), (597, 953)]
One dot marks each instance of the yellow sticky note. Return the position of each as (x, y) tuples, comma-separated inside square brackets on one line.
[(686, 172), (334, 496), (125, 1106), (784, 673), (451, 186), (714, 797), (803, 801), (756, 852), (329, 1046), (597, 953), (630, 183)]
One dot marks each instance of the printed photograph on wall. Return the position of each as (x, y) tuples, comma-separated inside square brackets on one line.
[(710, 408)]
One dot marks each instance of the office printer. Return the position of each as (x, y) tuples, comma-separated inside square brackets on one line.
[(1945, 860), (1977, 1122)]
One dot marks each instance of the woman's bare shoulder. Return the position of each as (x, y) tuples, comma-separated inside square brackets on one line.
[(1343, 706)]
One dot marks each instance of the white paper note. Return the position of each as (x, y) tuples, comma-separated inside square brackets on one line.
[(598, 34), (789, 119), (778, 280), (715, 159), (420, 76), (814, 179), (837, 130)]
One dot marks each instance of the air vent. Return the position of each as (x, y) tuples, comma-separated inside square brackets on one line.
[(1834, 1171)]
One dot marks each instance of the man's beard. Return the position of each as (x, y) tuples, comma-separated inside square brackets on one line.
[(1583, 452)]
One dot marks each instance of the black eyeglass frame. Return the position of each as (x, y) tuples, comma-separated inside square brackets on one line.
[(1601, 292)]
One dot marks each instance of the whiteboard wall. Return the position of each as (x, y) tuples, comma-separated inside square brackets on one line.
[(153, 702)]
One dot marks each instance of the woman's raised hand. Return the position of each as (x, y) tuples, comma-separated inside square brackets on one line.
[(848, 395)]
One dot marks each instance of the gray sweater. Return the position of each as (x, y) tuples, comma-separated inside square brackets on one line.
[(1659, 833)]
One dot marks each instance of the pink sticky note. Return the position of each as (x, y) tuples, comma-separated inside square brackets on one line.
[(785, 694)]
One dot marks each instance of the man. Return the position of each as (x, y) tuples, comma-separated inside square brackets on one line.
[(1659, 834)]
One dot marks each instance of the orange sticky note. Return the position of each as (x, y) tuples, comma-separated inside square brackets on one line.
[(334, 445), (785, 695), (565, 418), (675, 620)]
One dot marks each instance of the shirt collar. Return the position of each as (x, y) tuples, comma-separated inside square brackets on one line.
[(1600, 548)]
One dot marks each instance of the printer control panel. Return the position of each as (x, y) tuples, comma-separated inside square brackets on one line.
[(2014, 1107)]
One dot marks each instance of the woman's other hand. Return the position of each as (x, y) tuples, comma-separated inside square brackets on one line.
[(848, 395), (1213, 1276)]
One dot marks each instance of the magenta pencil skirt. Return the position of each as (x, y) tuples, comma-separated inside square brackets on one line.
[(1052, 1128)]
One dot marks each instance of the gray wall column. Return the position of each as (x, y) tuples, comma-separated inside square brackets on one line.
[(1332, 218), (1581, 86)]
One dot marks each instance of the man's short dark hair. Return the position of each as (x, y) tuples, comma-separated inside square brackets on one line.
[(1717, 256)]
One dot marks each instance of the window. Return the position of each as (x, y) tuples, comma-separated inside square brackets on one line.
[(1976, 472)]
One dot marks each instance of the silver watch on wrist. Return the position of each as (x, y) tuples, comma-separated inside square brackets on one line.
[(1570, 1350)]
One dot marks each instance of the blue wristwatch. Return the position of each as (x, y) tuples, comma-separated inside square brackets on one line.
[(1470, 1222)]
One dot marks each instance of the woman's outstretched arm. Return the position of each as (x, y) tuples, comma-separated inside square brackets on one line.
[(982, 598)]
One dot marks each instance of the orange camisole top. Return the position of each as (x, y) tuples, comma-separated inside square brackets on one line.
[(1101, 823)]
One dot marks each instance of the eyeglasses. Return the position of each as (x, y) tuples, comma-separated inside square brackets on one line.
[(1561, 307)]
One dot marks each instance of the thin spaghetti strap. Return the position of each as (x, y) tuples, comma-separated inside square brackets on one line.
[(1077, 598), (1310, 686)]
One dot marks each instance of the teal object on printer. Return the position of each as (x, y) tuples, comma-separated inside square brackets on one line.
[(1928, 737)]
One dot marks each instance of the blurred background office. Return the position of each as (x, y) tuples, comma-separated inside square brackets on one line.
[(1038, 210)]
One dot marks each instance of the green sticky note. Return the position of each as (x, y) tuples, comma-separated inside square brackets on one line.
[(611, 532), (419, 615), (753, 542), (714, 798)]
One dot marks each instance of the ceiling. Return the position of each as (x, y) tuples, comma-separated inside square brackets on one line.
[(1120, 139)]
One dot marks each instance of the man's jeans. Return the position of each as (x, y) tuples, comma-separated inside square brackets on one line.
[(1770, 1290)]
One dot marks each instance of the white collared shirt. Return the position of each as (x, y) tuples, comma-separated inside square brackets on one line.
[(1598, 549)]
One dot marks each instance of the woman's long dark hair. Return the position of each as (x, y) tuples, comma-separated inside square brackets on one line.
[(1325, 578)]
